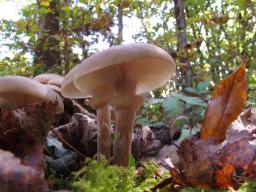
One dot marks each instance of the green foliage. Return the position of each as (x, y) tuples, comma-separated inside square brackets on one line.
[(99, 177), (190, 100), (132, 161), (84, 25), (157, 110), (190, 189), (187, 132), (148, 176), (17, 65), (152, 112), (246, 187), (173, 107), (200, 89)]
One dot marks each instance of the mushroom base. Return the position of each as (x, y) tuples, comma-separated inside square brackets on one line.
[(125, 117), (104, 132)]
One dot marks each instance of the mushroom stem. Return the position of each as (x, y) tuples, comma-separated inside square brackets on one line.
[(125, 118), (104, 131)]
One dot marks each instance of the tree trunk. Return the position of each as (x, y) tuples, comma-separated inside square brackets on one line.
[(120, 25), (182, 41), (47, 52)]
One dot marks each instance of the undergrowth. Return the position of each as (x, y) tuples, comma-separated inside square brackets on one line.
[(100, 177)]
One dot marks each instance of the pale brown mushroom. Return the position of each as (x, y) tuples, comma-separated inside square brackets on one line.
[(51, 80), (54, 88), (56, 81), (118, 76), (69, 90), (18, 91), (46, 77)]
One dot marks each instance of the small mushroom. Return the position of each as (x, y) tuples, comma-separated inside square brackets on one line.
[(51, 80), (18, 91), (118, 76), (46, 77), (56, 81), (53, 87)]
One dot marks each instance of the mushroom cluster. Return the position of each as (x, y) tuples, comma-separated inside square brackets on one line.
[(27, 111), (20, 91), (117, 77)]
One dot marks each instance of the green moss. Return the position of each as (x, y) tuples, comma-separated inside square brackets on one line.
[(246, 187), (99, 177)]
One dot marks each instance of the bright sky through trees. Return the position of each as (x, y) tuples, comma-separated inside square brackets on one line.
[(9, 10)]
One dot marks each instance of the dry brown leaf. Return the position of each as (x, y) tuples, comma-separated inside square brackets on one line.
[(224, 176), (22, 131), (203, 163), (80, 133), (226, 104), (15, 176)]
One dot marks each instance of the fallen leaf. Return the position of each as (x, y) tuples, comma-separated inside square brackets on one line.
[(224, 176), (226, 104), (80, 133), (15, 176), (205, 164), (22, 131), (59, 159)]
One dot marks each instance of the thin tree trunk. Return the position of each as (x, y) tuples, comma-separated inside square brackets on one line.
[(142, 18), (182, 40), (120, 25), (47, 52), (67, 50)]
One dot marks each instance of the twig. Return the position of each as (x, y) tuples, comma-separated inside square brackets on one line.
[(162, 184), (57, 133)]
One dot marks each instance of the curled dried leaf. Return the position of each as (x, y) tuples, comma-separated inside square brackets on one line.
[(226, 104)]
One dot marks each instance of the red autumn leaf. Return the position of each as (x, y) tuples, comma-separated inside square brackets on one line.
[(205, 164), (226, 104), (224, 176)]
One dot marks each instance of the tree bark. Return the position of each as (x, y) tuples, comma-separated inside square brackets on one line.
[(47, 52), (182, 41), (120, 24)]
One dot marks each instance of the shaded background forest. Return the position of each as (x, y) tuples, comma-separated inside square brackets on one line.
[(206, 38)]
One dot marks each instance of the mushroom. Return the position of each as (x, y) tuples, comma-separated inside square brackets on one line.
[(69, 90), (51, 80), (54, 87), (18, 91), (23, 130), (46, 77), (56, 81), (118, 76)]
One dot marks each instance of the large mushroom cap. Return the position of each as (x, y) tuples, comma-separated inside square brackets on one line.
[(17, 91), (121, 70), (46, 77), (68, 88)]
